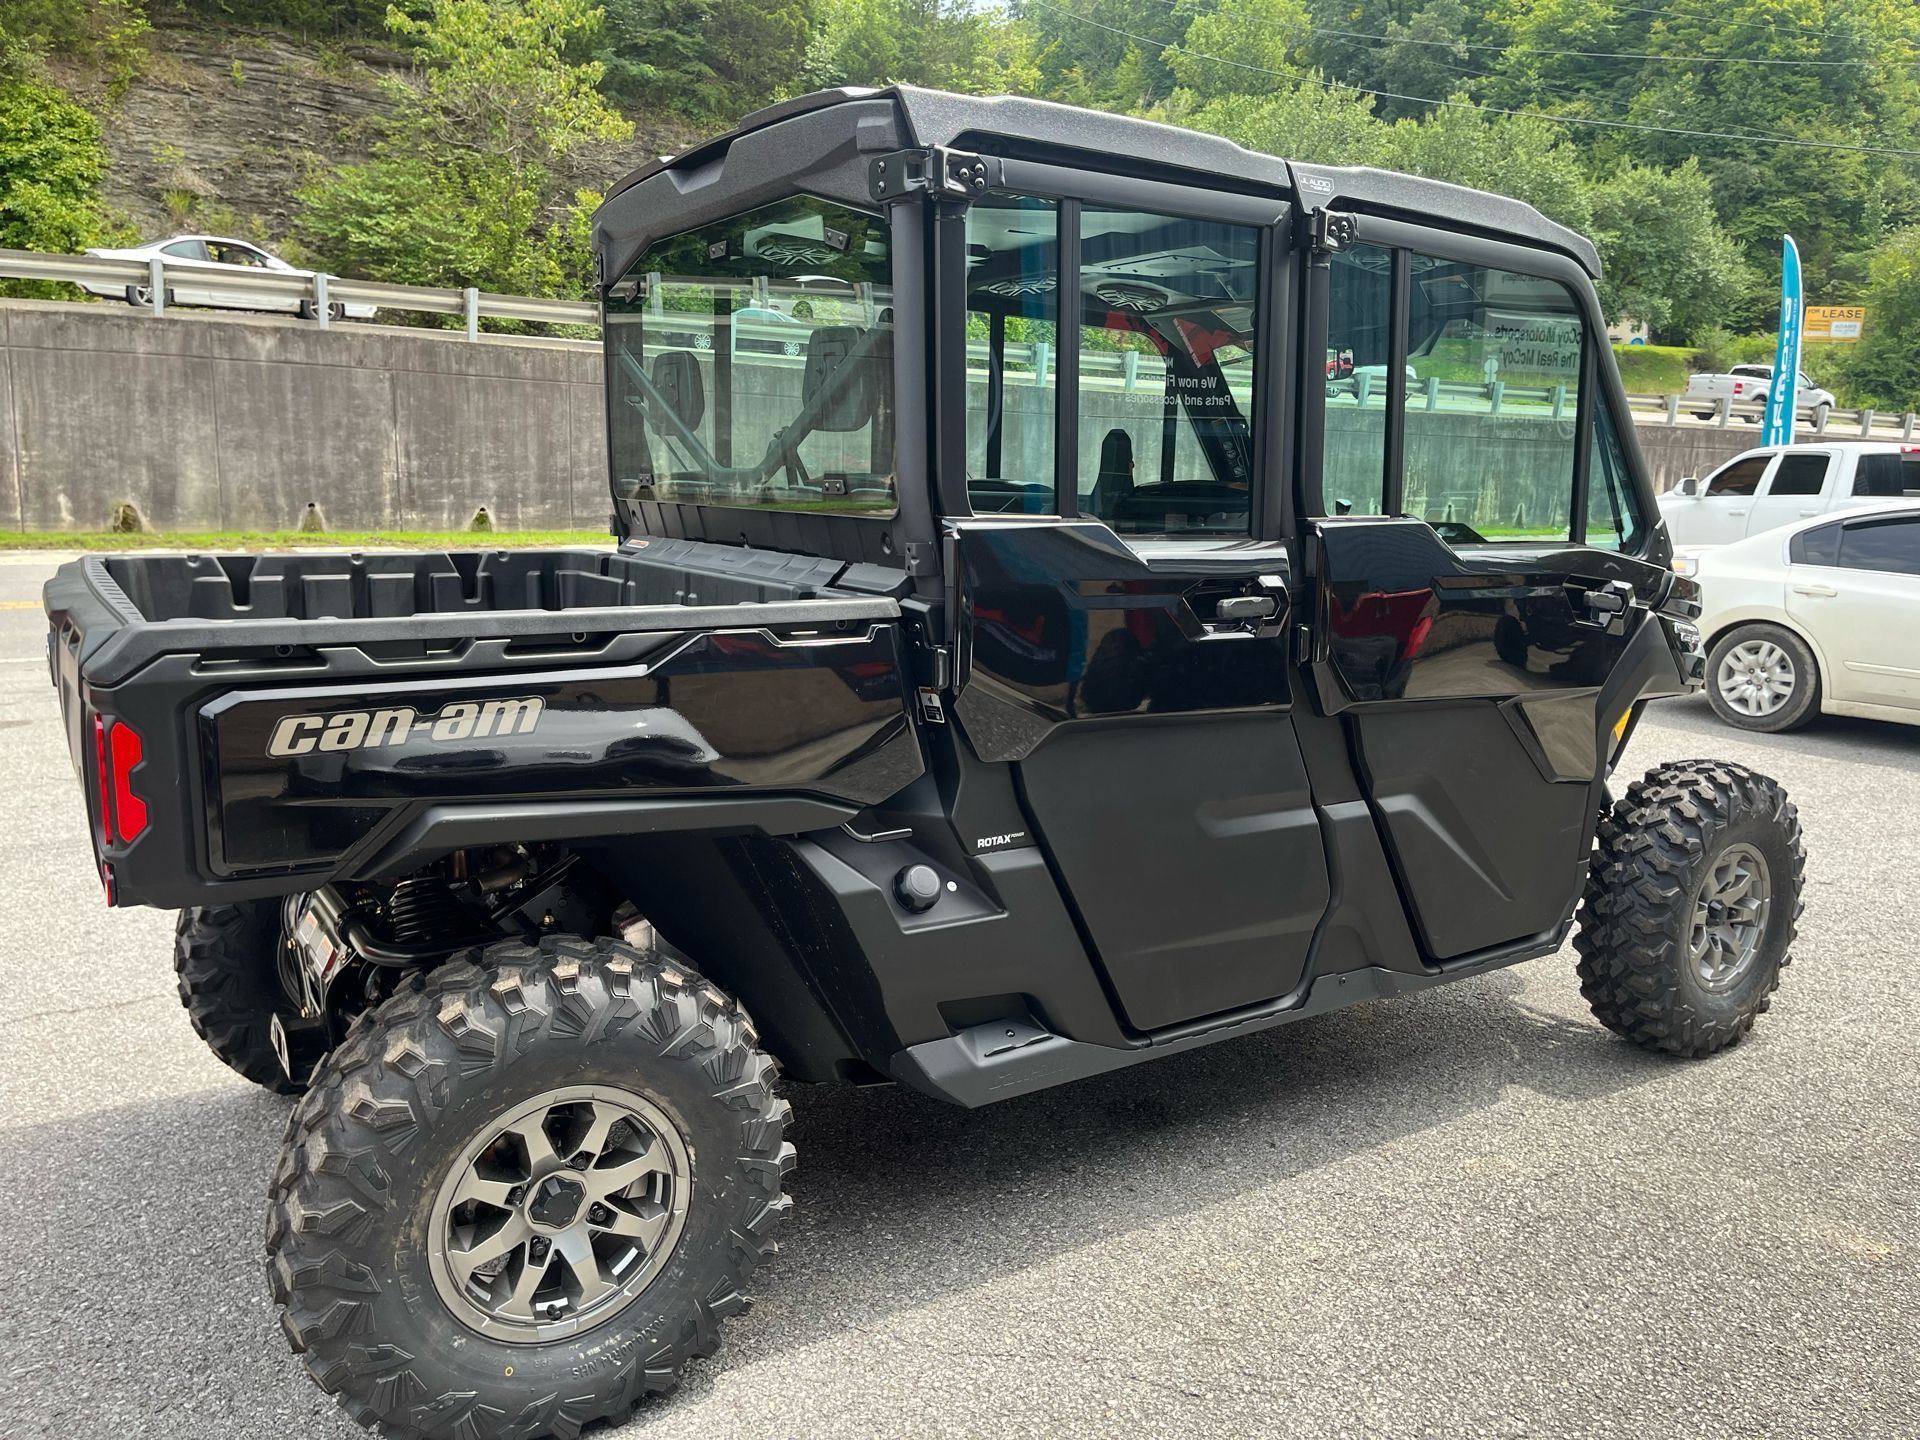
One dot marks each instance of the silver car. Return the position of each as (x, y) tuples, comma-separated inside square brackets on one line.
[(196, 265)]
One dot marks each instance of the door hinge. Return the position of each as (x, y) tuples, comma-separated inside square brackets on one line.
[(1330, 232), (940, 172)]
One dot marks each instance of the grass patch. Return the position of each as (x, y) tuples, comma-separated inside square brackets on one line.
[(1653, 369), (229, 540)]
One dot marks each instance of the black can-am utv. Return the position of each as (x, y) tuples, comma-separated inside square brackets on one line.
[(1084, 591)]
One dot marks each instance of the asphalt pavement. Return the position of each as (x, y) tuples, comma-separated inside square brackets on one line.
[(1470, 1212)]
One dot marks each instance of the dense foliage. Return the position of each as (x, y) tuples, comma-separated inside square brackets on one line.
[(1686, 137), (463, 187)]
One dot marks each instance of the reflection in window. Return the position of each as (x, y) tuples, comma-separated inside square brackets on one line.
[(751, 363), (1613, 506), (1165, 320), (1740, 478), (1492, 396), (1359, 334), (1013, 312), (1166, 373)]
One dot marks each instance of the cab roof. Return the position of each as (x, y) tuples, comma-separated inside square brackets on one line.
[(906, 116)]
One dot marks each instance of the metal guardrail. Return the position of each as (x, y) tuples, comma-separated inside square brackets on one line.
[(152, 280)]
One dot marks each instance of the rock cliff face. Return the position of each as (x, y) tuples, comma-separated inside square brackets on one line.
[(226, 123)]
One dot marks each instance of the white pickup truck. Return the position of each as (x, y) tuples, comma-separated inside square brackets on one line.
[(1779, 484), (1747, 385)]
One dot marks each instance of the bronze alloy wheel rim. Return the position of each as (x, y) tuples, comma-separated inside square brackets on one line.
[(559, 1214)]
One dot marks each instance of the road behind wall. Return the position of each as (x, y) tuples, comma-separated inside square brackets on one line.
[(211, 423)]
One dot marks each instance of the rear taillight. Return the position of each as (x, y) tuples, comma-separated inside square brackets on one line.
[(118, 750), (1736, 387)]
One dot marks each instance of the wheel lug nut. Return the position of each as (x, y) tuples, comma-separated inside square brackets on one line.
[(599, 1214), (516, 1194)]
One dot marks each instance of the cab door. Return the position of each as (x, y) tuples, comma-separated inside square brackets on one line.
[(1123, 595), (1482, 564), (1793, 489)]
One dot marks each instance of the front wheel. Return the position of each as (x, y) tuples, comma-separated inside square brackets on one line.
[(525, 1191), (1691, 906), (1761, 677)]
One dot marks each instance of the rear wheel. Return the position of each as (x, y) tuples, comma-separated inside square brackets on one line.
[(1691, 906), (1762, 677), (525, 1191), (227, 961)]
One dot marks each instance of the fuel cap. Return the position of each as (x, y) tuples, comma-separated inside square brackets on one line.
[(918, 887)]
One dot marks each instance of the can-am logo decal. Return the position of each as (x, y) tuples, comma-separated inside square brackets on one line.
[(368, 729)]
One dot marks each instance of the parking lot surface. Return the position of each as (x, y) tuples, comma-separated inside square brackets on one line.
[(1471, 1212)]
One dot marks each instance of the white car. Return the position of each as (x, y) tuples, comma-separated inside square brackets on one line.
[(1821, 617), (195, 266)]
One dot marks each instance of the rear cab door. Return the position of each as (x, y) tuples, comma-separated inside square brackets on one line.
[(1484, 566), (1854, 586), (1794, 488)]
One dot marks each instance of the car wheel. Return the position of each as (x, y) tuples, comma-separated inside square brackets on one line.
[(140, 296), (228, 962), (1703, 414), (337, 310), (1691, 906), (790, 347), (1820, 415), (1762, 677)]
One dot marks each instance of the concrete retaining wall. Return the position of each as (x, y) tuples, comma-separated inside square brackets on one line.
[(205, 422)]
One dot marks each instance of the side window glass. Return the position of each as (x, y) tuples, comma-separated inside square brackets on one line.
[(1167, 372), (1359, 339), (185, 250), (1013, 314), (1883, 476), (1614, 521), (1493, 400), (1892, 546), (1740, 478), (1818, 546), (1799, 475)]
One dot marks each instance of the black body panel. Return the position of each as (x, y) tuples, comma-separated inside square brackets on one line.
[(1154, 753), (392, 720)]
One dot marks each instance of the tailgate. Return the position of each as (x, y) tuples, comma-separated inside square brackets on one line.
[(232, 758)]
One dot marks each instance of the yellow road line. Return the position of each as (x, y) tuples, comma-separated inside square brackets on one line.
[(19, 604)]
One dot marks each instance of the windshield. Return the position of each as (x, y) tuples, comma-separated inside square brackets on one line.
[(750, 363)]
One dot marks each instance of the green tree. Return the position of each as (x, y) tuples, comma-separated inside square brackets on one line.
[(1883, 369), (51, 162), (948, 44), (1320, 123), (463, 186), (1529, 159), (1239, 47), (707, 60), (1679, 276)]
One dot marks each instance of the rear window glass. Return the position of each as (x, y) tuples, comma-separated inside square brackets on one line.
[(750, 363), (1888, 476), (1892, 546)]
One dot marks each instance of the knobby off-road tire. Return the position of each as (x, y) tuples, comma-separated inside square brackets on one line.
[(227, 959), (398, 1110), (1684, 835)]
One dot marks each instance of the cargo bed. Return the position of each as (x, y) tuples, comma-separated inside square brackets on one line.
[(248, 725)]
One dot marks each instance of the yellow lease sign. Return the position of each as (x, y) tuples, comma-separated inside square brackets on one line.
[(1834, 322)]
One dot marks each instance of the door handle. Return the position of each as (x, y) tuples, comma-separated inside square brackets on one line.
[(1808, 514), (1606, 605), (1247, 607), (1815, 590), (1741, 511)]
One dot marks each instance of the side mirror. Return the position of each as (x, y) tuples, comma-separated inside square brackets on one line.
[(676, 376), (1343, 507), (1689, 485), (843, 386)]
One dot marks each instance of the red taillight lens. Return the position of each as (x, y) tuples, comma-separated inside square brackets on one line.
[(118, 749), (129, 810), (106, 780)]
